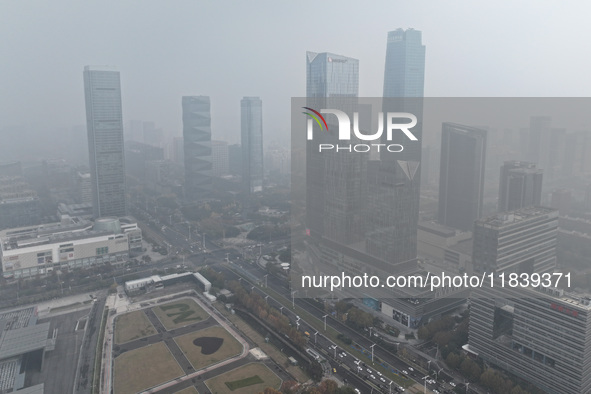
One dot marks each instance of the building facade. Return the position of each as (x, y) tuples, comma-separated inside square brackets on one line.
[(541, 335), (522, 241), (75, 243), (104, 124), (461, 179), (520, 185), (219, 158), (19, 204), (197, 147), (251, 126)]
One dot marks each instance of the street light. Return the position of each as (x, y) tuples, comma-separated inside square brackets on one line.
[(293, 298), (429, 365), (281, 311), (437, 373), (425, 379), (334, 347), (390, 386), (316, 333), (372, 352), (467, 384), (266, 279), (266, 297), (324, 321)]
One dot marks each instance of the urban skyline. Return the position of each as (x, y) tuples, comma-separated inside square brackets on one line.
[(150, 199)]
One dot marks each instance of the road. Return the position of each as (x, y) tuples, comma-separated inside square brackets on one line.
[(367, 378), (325, 345)]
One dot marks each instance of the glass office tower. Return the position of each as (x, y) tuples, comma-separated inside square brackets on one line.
[(104, 123)]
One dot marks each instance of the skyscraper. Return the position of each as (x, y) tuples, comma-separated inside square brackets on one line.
[(330, 75), (404, 74), (219, 158), (251, 126), (333, 180), (461, 180), (197, 147), (520, 185), (104, 123)]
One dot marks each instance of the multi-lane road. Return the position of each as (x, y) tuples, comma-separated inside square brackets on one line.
[(364, 377)]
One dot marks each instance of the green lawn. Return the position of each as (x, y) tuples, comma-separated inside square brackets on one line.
[(242, 380), (238, 384), (180, 313), (131, 326), (229, 347), (140, 369)]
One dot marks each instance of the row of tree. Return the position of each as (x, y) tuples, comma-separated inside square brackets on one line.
[(273, 317)]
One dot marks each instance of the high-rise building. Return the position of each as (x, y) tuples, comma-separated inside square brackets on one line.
[(251, 126), (104, 123), (405, 64), (520, 185), (329, 75), (330, 78), (404, 76), (461, 179), (540, 334), (519, 241), (83, 187), (362, 209), (197, 147), (219, 157)]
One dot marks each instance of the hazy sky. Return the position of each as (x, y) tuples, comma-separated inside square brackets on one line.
[(227, 50)]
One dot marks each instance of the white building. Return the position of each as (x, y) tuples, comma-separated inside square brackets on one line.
[(73, 243)]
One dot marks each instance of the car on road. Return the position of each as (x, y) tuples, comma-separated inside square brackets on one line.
[(405, 372), (452, 384), (410, 369), (334, 370), (372, 376), (382, 379)]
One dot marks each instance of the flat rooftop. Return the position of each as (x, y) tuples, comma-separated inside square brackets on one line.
[(514, 217), (437, 228), (23, 340)]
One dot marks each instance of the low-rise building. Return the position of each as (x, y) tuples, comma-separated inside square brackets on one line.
[(72, 243)]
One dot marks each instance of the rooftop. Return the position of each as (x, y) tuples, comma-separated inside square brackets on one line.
[(514, 217), (23, 340)]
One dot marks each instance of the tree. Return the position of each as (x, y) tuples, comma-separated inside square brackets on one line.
[(519, 390), (328, 386), (423, 332), (453, 360), (470, 369)]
